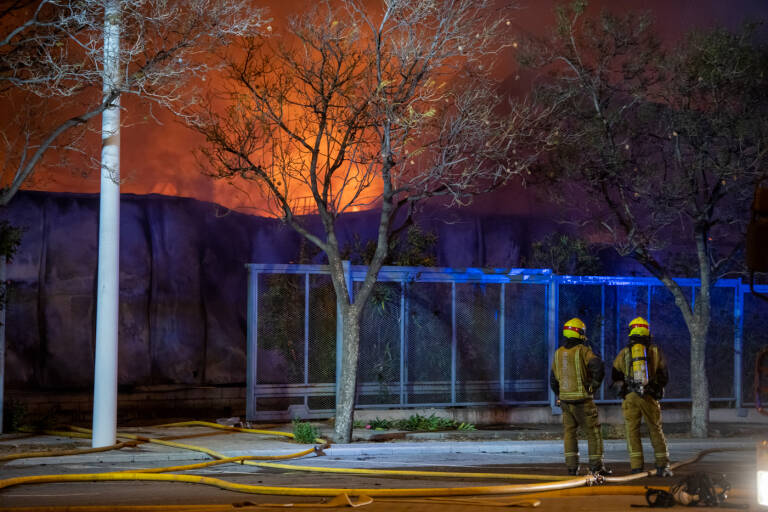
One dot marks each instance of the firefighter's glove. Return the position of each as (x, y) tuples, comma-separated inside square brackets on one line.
[(654, 390), (621, 389)]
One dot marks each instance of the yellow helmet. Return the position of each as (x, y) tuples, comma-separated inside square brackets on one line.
[(639, 327), (575, 328)]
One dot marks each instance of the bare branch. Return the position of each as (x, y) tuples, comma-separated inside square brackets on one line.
[(52, 50)]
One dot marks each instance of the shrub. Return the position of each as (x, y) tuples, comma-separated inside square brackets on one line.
[(430, 423), (304, 432)]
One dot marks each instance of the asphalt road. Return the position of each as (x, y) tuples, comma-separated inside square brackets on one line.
[(739, 467)]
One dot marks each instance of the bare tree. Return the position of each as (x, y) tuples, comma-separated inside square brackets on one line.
[(658, 150), (350, 107)]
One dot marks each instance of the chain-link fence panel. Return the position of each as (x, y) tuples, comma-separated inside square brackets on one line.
[(281, 329), (670, 333), (321, 340), (428, 343), (280, 358), (612, 343), (477, 342), (755, 338), (632, 301), (379, 365), (719, 349), (526, 372), (584, 301)]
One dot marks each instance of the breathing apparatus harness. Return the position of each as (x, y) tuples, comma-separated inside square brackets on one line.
[(637, 365)]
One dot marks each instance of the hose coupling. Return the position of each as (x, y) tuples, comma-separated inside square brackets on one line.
[(595, 479)]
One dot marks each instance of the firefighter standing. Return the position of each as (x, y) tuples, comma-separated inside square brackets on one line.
[(639, 374), (576, 374)]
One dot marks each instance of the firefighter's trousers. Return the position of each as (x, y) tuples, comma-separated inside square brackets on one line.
[(634, 408), (584, 415)]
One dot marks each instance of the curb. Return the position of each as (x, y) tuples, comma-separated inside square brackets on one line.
[(535, 449)]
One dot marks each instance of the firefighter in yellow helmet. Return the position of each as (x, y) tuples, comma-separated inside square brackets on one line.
[(639, 375), (576, 374)]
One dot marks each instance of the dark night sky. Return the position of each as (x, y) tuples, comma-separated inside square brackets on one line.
[(159, 158)]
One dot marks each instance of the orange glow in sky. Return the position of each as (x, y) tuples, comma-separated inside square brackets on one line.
[(160, 158)]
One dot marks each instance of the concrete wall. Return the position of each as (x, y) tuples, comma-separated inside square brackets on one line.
[(182, 283), (144, 404)]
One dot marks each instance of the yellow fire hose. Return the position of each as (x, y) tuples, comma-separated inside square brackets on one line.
[(59, 453), (137, 440), (524, 500), (225, 460), (232, 429), (247, 460), (406, 472), (700, 455), (299, 491), (339, 501)]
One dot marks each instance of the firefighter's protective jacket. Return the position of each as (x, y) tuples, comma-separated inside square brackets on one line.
[(576, 372)]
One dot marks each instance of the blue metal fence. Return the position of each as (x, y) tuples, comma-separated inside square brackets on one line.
[(437, 337)]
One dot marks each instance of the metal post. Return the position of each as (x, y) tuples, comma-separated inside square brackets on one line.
[(453, 343), (306, 337), (108, 271), (347, 266), (617, 341), (602, 333), (738, 347), (403, 352), (252, 345), (552, 316), (502, 342), (339, 336), (648, 305)]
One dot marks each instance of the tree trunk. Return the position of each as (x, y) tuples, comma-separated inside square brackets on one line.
[(699, 383), (699, 329), (345, 400), (697, 318), (105, 364)]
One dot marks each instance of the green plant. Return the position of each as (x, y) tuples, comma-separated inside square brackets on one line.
[(429, 423), (564, 254), (379, 424), (415, 422), (304, 432), (10, 238), (415, 247)]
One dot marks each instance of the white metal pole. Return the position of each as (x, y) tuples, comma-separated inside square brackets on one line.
[(105, 371)]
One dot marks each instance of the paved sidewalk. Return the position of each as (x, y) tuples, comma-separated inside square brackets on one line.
[(234, 444)]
